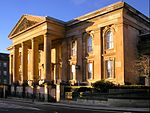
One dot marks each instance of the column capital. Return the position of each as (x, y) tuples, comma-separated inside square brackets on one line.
[(24, 44), (46, 34), (34, 39), (16, 46)]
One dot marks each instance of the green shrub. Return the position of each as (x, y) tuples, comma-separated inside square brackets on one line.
[(103, 86)]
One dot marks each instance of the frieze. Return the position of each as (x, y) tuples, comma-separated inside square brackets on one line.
[(24, 25)]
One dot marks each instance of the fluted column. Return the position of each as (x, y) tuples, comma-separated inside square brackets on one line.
[(24, 61), (35, 59), (47, 57), (16, 63)]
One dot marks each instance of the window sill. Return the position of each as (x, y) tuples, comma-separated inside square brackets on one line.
[(109, 51), (110, 78)]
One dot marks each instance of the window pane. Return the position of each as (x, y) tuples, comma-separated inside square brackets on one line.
[(73, 48), (109, 40), (5, 64), (5, 81), (109, 68), (89, 44), (90, 70), (90, 67), (5, 73), (73, 69)]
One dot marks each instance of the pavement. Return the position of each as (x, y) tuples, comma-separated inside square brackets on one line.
[(70, 104)]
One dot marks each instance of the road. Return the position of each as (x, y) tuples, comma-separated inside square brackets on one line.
[(29, 107)]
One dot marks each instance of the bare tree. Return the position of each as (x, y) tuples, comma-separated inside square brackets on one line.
[(142, 65)]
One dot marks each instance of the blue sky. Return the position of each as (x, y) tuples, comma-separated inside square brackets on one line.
[(12, 10)]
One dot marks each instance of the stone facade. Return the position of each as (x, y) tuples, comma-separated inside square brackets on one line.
[(99, 45)]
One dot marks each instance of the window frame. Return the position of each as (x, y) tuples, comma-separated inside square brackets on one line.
[(5, 73), (109, 40), (90, 75), (5, 81), (89, 45), (74, 48), (73, 74), (4, 64), (111, 70)]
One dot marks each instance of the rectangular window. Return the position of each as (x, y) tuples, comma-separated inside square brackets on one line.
[(0, 72), (73, 70), (4, 64), (74, 48), (5, 81), (90, 70), (109, 69), (0, 64), (5, 73)]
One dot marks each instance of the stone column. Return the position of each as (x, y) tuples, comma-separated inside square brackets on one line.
[(47, 63), (15, 63), (35, 59), (65, 58), (10, 69), (47, 57), (24, 61)]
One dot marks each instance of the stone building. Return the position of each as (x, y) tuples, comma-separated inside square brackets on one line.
[(4, 68), (98, 45), (4, 73)]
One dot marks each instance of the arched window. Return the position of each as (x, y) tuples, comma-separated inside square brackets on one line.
[(89, 44), (109, 40)]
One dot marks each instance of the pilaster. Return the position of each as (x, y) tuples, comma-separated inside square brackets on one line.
[(79, 59)]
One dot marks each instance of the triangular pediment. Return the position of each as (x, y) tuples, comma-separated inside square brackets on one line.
[(25, 22)]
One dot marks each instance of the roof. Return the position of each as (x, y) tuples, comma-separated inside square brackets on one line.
[(105, 10), (32, 20)]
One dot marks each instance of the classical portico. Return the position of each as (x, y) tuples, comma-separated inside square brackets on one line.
[(97, 46), (31, 52)]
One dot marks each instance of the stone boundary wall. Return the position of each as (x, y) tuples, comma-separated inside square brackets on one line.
[(116, 102)]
